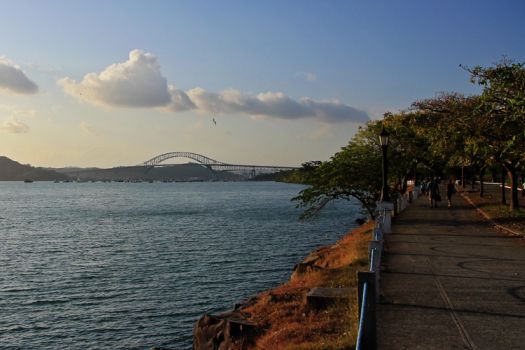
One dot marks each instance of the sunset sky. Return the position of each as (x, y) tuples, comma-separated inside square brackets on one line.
[(108, 83)]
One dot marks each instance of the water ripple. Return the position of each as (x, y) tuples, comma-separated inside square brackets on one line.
[(133, 266)]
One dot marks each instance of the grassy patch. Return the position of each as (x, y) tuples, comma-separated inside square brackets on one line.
[(500, 213), (284, 317)]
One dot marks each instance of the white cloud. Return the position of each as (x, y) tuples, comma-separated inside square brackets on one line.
[(14, 126), (136, 82), (269, 104), (307, 76), (274, 105), (14, 80), (180, 101), (335, 111)]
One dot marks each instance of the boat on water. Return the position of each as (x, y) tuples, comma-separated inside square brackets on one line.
[(28, 180)]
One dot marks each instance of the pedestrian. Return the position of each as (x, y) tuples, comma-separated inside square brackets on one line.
[(451, 189), (424, 185), (433, 192)]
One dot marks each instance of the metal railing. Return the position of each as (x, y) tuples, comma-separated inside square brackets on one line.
[(368, 288), (368, 281)]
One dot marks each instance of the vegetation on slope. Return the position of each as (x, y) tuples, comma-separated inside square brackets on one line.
[(288, 322), (14, 171)]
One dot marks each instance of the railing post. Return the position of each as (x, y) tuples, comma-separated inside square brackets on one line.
[(369, 336), (376, 248), (378, 233), (388, 208)]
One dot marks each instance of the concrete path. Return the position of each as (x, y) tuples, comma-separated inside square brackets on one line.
[(450, 281)]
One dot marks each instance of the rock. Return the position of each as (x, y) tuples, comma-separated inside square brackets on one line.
[(322, 297), (229, 331), (302, 268), (360, 221), (308, 264)]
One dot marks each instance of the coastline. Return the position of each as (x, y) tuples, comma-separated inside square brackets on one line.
[(284, 318)]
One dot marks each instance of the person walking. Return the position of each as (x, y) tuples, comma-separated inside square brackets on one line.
[(451, 189), (433, 192), (424, 185)]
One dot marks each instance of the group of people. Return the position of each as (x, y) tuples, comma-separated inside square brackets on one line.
[(430, 187)]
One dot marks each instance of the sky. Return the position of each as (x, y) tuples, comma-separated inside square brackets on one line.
[(112, 83)]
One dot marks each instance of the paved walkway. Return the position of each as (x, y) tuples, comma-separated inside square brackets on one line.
[(451, 282)]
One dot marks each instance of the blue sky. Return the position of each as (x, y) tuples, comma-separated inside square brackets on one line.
[(298, 77)]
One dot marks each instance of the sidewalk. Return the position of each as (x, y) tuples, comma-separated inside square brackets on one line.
[(450, 281)]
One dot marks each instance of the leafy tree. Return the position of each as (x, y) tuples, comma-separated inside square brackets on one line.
[(443, 121), (407, 147), (502, 108), (353, 172)]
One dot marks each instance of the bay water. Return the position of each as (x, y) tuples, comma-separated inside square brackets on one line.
[(134, 265)]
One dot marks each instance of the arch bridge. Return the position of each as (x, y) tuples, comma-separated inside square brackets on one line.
[(215, 165)]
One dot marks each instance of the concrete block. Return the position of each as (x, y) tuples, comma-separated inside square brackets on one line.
[(322, 297)]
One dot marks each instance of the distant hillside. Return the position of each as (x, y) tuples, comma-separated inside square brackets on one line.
[(14, 171), (178, 172)]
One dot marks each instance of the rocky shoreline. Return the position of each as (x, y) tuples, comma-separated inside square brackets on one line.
[(283, 316)]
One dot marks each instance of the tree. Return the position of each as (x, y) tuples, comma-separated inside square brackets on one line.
[(406, 149), (502, 106), (353, 172)]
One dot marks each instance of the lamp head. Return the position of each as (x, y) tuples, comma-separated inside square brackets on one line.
[(383, 137)]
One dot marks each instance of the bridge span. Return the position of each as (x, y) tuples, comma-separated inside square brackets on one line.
[(215, 165)]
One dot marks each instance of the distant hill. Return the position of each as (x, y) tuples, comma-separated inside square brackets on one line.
[(14, 171), (177, 172)]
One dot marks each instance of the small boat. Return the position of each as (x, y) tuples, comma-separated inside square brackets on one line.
[(28, 180)]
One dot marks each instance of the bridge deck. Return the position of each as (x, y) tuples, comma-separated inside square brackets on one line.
[(451, 282)]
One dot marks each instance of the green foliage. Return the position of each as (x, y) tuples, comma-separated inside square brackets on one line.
[(449, 130), (502, 116), (353, 172)]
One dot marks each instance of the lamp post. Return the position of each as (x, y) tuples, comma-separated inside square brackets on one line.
[(383, 141), (415, 172)]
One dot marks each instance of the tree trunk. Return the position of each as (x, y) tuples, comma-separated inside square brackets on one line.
[(463, 178), (523, 182), (514, 202), (481, 186), (503, 190)]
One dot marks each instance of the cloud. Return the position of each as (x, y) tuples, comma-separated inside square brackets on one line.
[(14, 80), (233, 101), (14, 126), (306, 76), (139, 83), (135, 83), (275, 105), (335, 111), (180, 101)]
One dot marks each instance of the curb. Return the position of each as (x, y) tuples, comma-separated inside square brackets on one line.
[(486, 216)]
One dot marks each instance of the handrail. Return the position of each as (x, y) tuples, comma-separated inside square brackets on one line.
[(370, 282), (362, 315)]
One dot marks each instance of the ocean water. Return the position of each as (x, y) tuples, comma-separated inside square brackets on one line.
[(134, 265)]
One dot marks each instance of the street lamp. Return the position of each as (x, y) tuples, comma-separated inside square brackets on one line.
[(415, 172), (383, 140)]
